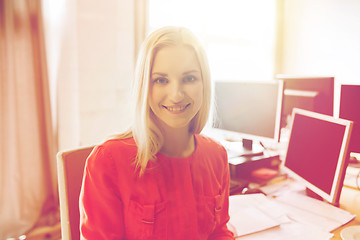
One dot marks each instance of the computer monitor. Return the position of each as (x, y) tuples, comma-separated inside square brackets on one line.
[(317, 152), (313, 93), (250, 108), (350, 109)]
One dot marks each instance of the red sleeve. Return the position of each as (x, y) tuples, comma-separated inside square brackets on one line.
[(100, 206), (222, 232)]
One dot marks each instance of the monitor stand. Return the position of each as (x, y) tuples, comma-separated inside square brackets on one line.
[(247, 143), (235, 144), (237, 149), (250, 148)]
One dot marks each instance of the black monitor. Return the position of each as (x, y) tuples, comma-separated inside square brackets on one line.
[(250, 108), (313, 93), (350, 109), (317, 152)]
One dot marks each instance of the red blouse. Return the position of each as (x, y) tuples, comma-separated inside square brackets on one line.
[(176, 198)]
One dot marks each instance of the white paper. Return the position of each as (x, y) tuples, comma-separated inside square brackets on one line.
[(257, 217), (252, 213), (307, 210), (291, 230)]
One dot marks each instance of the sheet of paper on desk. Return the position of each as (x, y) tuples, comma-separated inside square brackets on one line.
[(307, 210), (257, 217), (292, 230), (253, 213)]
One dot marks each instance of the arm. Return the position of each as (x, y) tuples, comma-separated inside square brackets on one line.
[(100, 206), (222, 232)]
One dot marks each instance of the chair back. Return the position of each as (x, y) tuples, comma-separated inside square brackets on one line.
[(70, 166)]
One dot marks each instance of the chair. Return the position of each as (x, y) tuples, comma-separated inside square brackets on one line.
[(70, 166)]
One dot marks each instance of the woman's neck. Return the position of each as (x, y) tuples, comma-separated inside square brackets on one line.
[(177, 142)]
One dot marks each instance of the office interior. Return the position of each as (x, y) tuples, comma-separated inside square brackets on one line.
[(90, 52)]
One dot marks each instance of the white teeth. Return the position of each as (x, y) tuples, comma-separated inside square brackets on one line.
[(175, 109)]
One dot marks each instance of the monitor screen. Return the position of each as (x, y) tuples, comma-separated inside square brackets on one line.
[(317, 152), (313, 93), (350, 109), (249, 107)]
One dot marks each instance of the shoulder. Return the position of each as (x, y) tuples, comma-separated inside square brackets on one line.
[(119, 146), (210, 146), (113, 152), (212, 155)]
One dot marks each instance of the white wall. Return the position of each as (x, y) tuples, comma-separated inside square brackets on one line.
[(322, 37)]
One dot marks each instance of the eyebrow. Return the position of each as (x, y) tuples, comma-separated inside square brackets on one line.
[(184, 73), (159, 73), (191, 71)]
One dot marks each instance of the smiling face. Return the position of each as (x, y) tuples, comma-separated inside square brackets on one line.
[(176, 86)]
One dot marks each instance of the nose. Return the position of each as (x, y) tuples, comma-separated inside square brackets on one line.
[(176, 92)]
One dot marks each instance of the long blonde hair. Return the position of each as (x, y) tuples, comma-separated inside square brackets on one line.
[(147, 135)]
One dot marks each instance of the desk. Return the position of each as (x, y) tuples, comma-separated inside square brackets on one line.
[(349, 201), (338, 231)]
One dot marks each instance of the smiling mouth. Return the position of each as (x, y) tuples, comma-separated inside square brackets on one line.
[(177, 108)]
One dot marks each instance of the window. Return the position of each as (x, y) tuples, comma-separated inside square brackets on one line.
[(239, 35)]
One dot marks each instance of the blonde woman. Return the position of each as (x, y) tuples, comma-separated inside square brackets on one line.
[(161, 179)]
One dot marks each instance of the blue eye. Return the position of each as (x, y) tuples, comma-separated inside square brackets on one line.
[(189, 78), (161, 80)]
